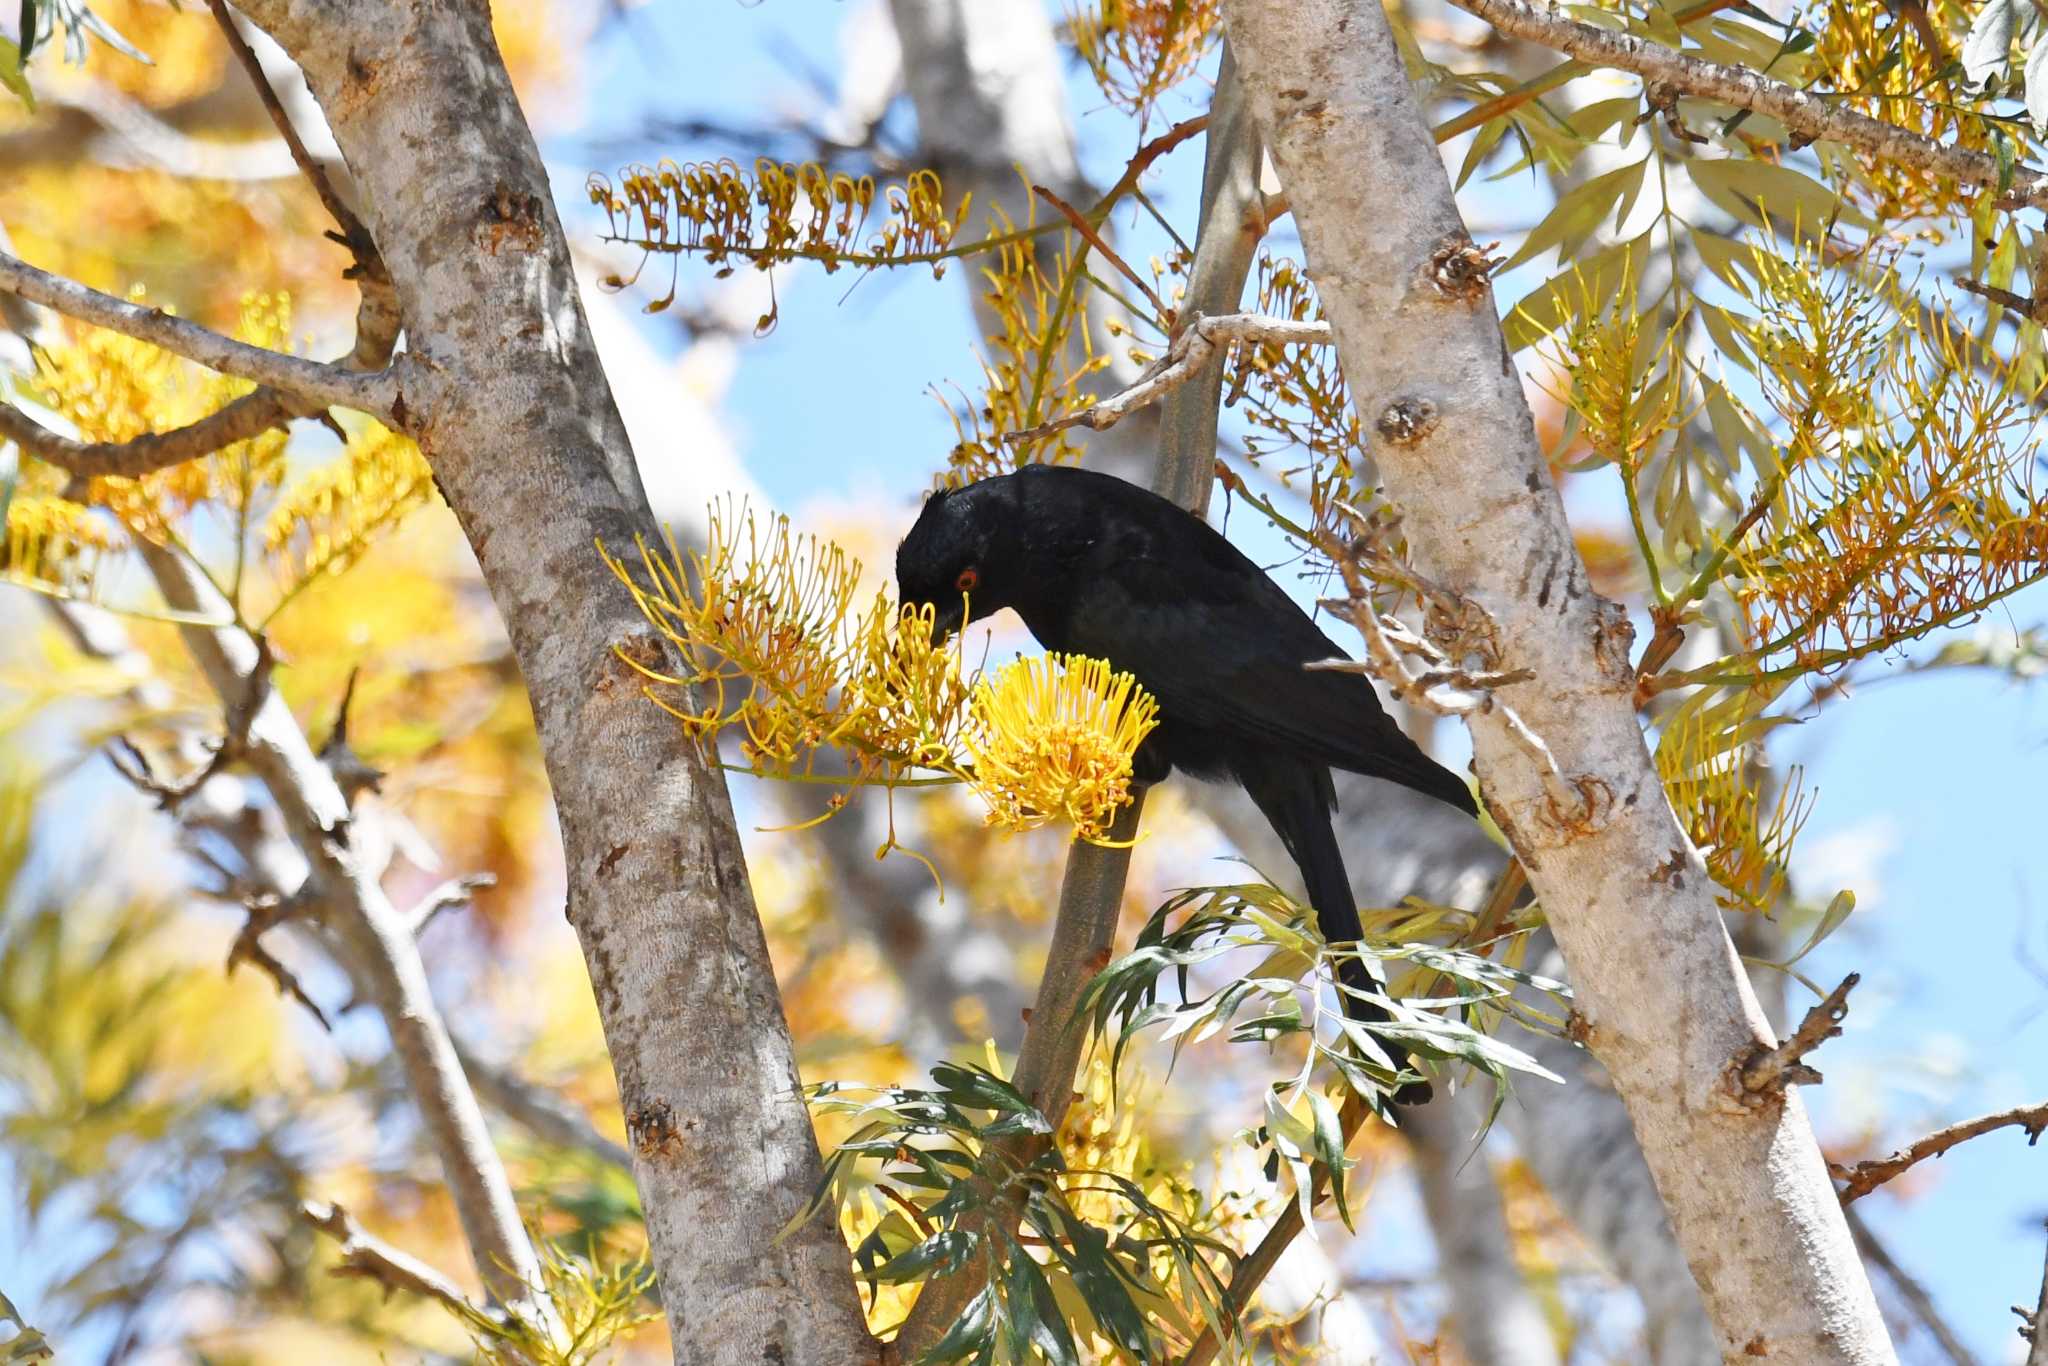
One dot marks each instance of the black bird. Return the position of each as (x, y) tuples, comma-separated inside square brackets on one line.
[(1098, 566)]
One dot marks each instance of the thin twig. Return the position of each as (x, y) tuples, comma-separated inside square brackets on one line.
[(351, 774), (1102, 248), (266, 912), (375, 392), (374, 1259), (456, 891), (1765, 1072), (1185, 357), (1864, 1177), (1813, 117), (353, 235), (2025, 305), (1913, 1294), (2035, 1330)]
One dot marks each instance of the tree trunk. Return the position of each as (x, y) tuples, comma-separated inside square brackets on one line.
[(1660, 989), (507, 399)]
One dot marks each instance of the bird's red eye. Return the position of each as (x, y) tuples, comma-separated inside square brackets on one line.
[(967, 580)]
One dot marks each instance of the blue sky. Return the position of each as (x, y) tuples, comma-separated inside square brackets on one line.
[(1926, 794)]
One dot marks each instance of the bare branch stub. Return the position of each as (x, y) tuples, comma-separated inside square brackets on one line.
[(265, 912), (1461, 269), (2034, 1327), (373, 1259), (455, 892), (1763, 1073), (1864, 1177), (351, 773)]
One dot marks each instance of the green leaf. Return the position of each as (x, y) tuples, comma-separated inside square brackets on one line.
[(1988, 47), (939, 1255), (1839, 909), (1085, 1253), (13, 76), (1557, 301), (1034, 1318), (972, 1332), (2037, 86), (1748, 190), (1580, 211), (30, 21), (1330, 1150)]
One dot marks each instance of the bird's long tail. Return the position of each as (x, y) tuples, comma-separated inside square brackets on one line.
[(1297, 801)]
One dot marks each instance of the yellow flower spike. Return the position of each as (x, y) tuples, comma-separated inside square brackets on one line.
[(1138, 50), (114, 388), (776, 212), (327, 520), (1053, 737), (56, 546)]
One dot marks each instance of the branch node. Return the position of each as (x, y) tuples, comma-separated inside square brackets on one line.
[(1762, 1072), (1461, 269), (1406, 421)]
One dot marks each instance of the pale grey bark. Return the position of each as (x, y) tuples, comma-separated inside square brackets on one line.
[(343, 896), (509, 402), (1660, 989)]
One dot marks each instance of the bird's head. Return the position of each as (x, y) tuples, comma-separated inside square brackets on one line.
[(958, 557)]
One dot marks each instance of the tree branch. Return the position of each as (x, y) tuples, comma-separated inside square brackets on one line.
[(376, 393), (547, 1116), (376, 1260), (1808, 116), (1452, 437), (1187, 355), (1865, 1177), (248, 416), (377, 940)]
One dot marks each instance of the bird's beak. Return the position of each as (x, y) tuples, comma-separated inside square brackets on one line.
[(946, 619)]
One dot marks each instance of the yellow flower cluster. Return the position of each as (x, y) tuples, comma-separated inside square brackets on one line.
[(328, 519), (777, 212), (1907, 495), (1705, 760), (55, 545), (1036, 367), (771, 639), (114, 388), (1138, 50), (1052, 739)]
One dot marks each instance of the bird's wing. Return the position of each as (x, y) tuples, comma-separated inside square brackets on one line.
[(1224, 651)]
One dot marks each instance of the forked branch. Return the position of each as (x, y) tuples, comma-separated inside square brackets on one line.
[(1812, 117), (1864, 1177), (374, 392), (1185, 357)]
